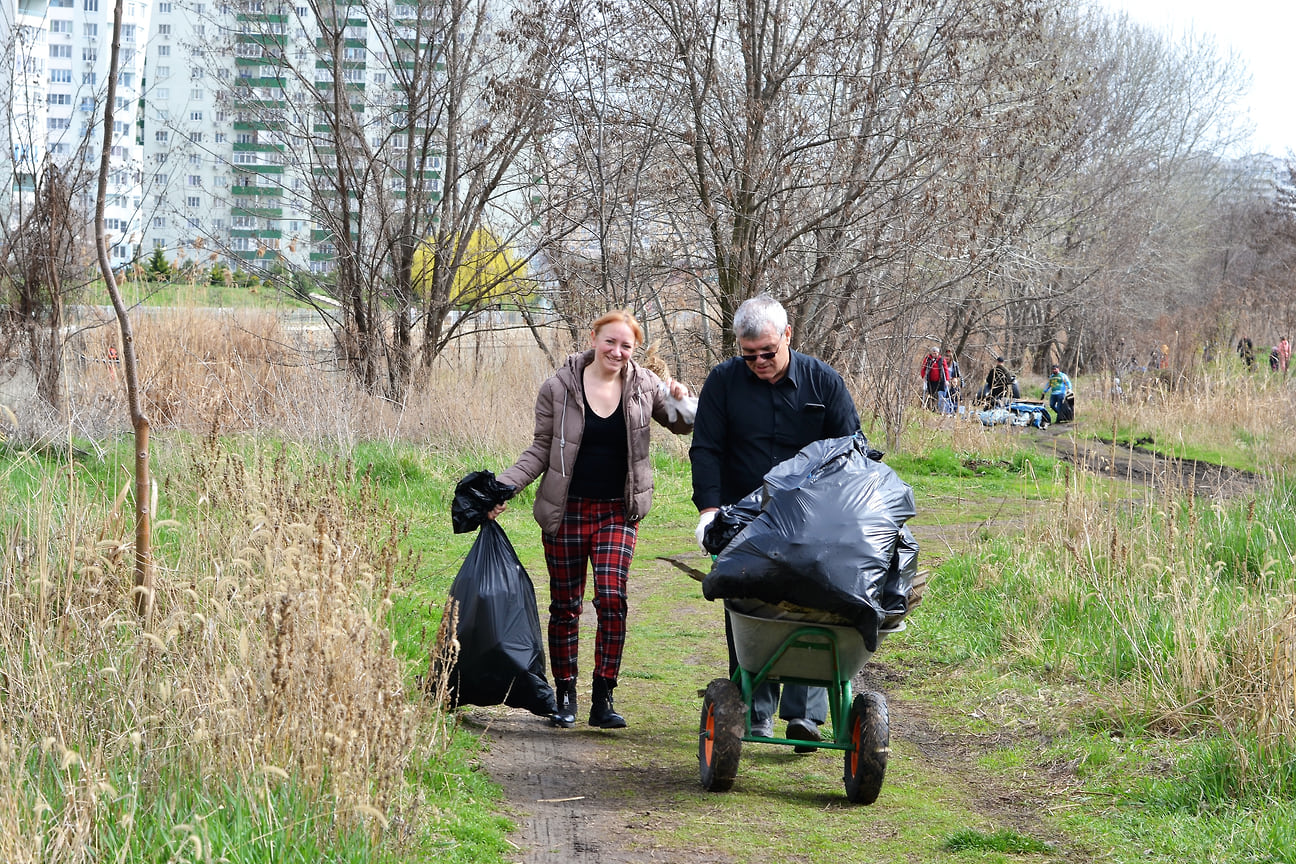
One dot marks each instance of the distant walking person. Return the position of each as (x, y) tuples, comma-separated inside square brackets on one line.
[(1246, 352), (1284, 354), (1058, 389), (935, 376)]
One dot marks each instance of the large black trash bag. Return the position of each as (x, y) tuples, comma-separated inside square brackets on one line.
[(828, 534), (475, 496), (501, 653)]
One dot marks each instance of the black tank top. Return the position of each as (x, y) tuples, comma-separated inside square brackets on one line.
[(601, 463)]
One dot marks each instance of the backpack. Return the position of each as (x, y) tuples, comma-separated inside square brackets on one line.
[(935, 367)]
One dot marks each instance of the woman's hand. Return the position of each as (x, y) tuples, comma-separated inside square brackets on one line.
[(496, 511), (678, 390)]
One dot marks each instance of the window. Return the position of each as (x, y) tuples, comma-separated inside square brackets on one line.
[(196, 137), (164, 8), (87, 104), (195, 179), (197, 94), (196, 72), (159, 221), (242, 158), (60, 76), (160, 179), (220, 181), (59, 122), (59, 99), (126, 79), (164, 71), (60, 149), (195, 159), (121, 127), (380, 77), (89, 54), (128, 32), (90, 28), (164, 50), (194, 201), (159, 243), (61, 51), (60, 4), (245, 138), (57, 26), (218, 224), (219, 137), (244, 222), (241, 244), (90, 5), (115, 224), (164, 29), (89, 78), (161, 136)]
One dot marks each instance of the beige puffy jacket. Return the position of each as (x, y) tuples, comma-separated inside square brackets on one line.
[(559, 424)]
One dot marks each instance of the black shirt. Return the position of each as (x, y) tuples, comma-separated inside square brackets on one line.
[(746, 426), (601, 462)]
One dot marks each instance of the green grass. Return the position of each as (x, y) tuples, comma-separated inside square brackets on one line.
[(971, 840)]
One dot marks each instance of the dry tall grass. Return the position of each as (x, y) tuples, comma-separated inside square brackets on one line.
[(267, 661), (1197, 594), (253, 372)]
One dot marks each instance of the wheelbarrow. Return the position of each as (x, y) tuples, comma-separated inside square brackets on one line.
[(795, 648)]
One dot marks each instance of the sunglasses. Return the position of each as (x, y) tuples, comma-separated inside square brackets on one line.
[(763, 355)]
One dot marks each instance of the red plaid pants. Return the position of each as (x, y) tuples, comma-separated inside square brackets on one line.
[(597, 532)]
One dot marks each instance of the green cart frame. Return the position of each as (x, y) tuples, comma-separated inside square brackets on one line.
[(794, 650)]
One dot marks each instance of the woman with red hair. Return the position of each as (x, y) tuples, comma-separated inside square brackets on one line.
[(590, 451)]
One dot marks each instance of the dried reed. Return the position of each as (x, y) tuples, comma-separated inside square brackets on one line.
[(269, 661)]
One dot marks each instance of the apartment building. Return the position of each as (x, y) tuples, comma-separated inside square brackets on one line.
[(57, 81), (215, 104)]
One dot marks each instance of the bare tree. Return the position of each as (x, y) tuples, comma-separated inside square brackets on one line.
[(401, 127), (45, 253), (139, 421)]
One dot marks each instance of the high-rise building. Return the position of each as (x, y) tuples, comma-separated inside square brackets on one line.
[(57, 85)]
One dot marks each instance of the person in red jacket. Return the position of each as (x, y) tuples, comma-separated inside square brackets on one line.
[(935, 376)]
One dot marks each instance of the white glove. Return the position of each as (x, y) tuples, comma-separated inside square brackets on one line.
[(704, 522)]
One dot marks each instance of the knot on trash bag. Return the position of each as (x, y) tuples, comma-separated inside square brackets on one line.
[(475, 496)]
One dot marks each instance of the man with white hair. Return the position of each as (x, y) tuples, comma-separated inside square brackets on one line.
[(756, 410)]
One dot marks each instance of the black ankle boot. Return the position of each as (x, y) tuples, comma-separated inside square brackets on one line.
[(601, 713), (565, 716)]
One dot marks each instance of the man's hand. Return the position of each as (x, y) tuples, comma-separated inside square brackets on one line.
[(705, 518)]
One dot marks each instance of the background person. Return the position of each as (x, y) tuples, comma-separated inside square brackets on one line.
[(1000, 384), (935, 376), (590, 452), (1056, 390), (756, 410)]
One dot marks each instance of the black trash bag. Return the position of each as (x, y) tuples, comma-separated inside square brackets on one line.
[(501, 653), (476, 495), (828, 536), (731, 519), (900, 579)]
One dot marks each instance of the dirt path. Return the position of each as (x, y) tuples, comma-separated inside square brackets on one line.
[(575, 797), (1143, 466)]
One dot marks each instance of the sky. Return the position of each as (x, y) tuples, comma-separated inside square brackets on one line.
[(1261, 33)]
